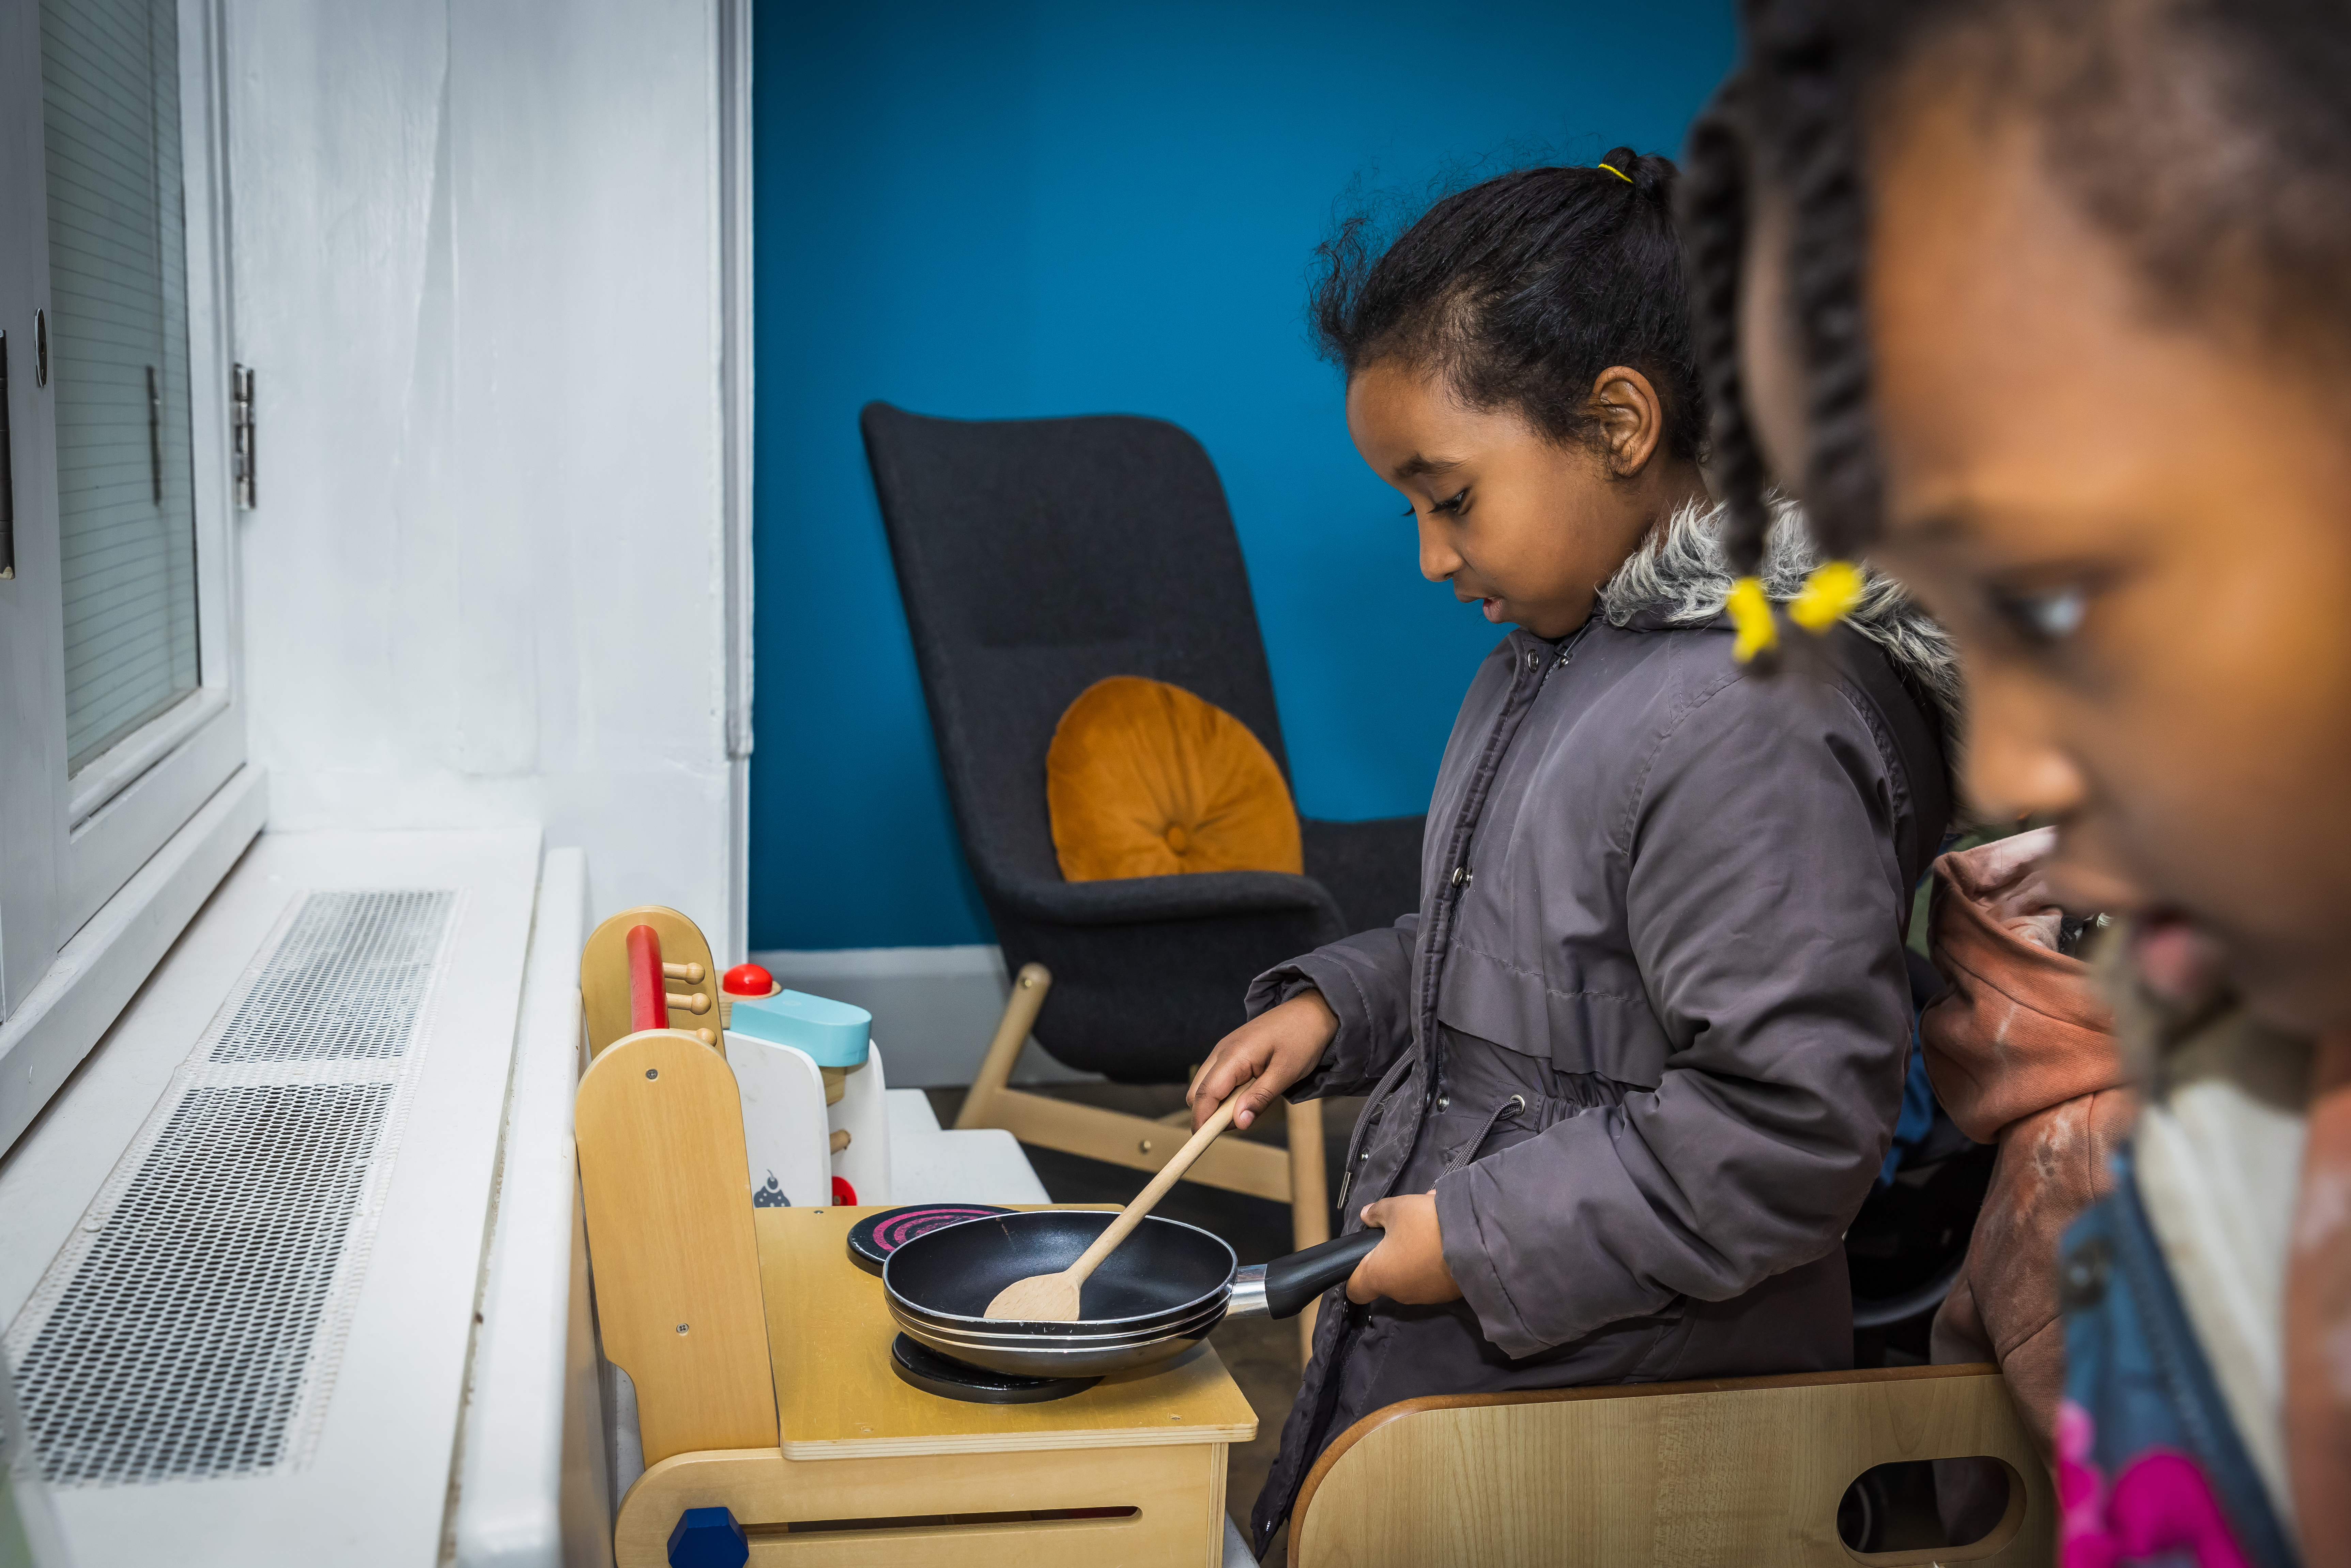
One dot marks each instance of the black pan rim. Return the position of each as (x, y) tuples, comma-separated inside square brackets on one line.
[(1210, 1315), (1027, 1361), (1166, 1318)]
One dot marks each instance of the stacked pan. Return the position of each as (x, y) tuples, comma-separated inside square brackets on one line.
[(1153, 1298)]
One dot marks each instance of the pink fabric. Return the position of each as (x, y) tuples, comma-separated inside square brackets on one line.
[(2160, 1503)]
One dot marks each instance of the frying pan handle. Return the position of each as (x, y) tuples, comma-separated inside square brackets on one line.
[(1291, 1282)]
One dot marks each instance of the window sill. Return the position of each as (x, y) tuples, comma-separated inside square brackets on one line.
[(120, 766), (98, 972)]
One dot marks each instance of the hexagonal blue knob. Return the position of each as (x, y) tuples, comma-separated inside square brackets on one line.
[(708, 1538)]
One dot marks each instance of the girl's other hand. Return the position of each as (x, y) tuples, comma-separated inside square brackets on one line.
[(1408, 1265), (1263, 1057)]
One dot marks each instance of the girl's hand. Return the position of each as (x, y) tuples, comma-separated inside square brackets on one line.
[(1262, 1058), (1408, 1265)]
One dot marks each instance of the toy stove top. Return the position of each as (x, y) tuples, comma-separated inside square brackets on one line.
[(932, 1373), (841, 1393), (872, 1240)]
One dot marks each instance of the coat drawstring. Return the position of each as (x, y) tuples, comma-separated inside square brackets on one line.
[(1460, 1157)]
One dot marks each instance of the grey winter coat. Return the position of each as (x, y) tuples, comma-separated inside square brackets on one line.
[(1646, 1035)]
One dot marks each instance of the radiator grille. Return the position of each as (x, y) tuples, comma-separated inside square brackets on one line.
[(345, 982), (192, 1327)]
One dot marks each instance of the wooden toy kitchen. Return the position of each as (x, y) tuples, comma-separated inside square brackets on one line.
[(783, 1416)]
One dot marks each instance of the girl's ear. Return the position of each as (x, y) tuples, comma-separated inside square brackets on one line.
[(1630, 416)]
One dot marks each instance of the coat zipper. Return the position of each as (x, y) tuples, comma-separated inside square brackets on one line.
[(1448, 899)]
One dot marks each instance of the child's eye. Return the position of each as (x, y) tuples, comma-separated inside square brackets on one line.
[(2047, 616), (1452, 504)]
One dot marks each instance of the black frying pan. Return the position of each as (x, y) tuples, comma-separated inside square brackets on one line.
[(1157, 1296)]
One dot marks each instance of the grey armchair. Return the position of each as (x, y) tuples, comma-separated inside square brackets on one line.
[(1035, 558)]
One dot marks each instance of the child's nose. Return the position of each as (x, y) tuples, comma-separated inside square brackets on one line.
[(2014, 765), (1438, 559)]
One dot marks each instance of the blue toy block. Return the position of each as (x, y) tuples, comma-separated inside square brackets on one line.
[(708, 1538), (835, 1033)]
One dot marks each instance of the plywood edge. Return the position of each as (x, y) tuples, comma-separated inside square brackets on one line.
[(1389, 1414), (1023, 1442), (662, 1472)]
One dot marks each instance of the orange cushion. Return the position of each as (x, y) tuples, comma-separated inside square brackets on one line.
[(1145, 779)]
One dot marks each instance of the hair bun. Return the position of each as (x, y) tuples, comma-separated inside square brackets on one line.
[(1650, 175)]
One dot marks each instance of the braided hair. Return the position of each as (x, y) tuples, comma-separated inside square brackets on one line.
[(1520, 290), (2211, 138), (1788, 104)]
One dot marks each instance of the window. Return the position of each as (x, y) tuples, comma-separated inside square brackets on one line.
[(118, 346), (117, 695)]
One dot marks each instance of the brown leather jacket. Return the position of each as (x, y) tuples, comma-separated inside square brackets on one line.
[(2020, 1049)]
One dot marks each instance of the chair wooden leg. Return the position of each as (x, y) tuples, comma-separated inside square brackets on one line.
[(1029, 989), (1310, 1200)]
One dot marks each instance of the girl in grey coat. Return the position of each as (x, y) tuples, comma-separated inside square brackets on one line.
[(1633, 1062)]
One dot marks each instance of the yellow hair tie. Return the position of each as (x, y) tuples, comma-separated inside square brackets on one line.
[(1829, 595), (1618, 173), (1751, 612)]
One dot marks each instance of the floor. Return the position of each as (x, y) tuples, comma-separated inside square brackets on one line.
[(1261, 1355)]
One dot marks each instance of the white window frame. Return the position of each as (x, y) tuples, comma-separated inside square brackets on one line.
[(72, 848)]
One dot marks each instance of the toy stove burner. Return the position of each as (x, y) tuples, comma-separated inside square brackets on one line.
[(932, 1373), (872, 1238)]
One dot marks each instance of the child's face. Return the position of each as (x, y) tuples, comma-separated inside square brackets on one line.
[(2136, 526), (1525, 526)]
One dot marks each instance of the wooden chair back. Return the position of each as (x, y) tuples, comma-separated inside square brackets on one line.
[(676, 1267), (1745, 1471), (604, 977)]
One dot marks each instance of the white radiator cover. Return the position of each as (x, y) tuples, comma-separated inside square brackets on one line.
[(192, 1325), (240, 1258)]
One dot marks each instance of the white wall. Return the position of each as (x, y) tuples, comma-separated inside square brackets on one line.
[(475, 252)]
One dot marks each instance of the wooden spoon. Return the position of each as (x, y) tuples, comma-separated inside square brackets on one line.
[(1054, 1298)]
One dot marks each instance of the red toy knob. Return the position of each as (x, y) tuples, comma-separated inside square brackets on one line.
[(844, 1195), (747, 980)]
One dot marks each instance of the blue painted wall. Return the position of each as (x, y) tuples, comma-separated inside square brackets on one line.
[(1080, 206)]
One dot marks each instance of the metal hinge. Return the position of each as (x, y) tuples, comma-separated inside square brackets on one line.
[(240, 434)]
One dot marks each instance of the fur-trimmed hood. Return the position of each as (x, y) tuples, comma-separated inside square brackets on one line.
[(1681, 576)]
